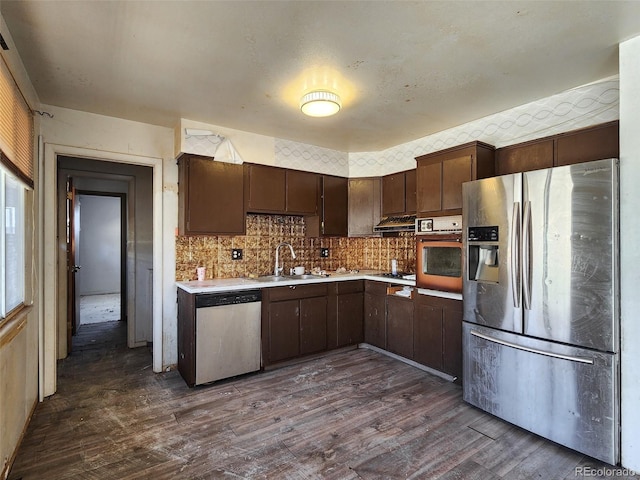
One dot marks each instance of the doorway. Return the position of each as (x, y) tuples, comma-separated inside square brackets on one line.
[(101, 240)]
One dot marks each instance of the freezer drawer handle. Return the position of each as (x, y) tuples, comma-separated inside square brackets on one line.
[(532, 350)]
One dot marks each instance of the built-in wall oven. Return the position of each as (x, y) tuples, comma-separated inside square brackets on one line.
[(439, 253)]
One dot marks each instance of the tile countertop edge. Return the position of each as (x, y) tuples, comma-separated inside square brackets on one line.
[(221, 285)]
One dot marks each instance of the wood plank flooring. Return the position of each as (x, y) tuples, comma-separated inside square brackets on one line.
[(353, 415)]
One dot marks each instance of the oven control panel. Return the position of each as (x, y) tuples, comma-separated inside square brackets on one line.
[(435, 225)]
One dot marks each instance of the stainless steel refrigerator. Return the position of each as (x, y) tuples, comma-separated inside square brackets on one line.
[(541, 303)]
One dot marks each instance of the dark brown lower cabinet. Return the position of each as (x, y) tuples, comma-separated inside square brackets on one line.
[(375, 313), (313, 325), (347, 298), (400, 325), (437, 334), (294, 322)]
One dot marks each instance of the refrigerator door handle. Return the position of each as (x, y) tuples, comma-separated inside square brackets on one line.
[(515, 255), (526, 256), (571, 358)]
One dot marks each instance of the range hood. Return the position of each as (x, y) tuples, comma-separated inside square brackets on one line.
[(402, 223)]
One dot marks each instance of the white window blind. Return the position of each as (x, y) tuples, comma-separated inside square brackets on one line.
[(16, 128)]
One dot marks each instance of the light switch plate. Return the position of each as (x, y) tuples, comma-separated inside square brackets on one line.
[(236, 254), (324, 253)]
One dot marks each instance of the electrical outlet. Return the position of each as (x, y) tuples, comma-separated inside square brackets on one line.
[(324, 253), (236, 254)]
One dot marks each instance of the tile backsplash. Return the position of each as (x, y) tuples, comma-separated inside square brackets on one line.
[(265, 232)]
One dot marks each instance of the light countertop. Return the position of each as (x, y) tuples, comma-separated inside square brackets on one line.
[(220, 285)]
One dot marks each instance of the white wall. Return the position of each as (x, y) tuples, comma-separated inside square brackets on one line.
[(100, 245), (629, 251)]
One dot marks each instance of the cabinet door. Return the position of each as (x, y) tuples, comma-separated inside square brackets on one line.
[(302, 192), (211, 197), (350, 318), (428, 336), (594, 143), (400, 326), (410, 191), (523, 158), (454, 173), (313, 325), (334, 204), (429, 192), (452, 342), (284, 330), (364, 205), (265, 188), (393, 194), (375, 319)]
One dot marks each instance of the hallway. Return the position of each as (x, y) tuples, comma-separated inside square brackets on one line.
[(351, 415)]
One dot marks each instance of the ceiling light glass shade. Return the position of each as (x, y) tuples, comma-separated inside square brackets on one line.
[(320, 104)]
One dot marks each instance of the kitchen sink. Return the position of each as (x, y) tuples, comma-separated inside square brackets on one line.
[(283, 278)]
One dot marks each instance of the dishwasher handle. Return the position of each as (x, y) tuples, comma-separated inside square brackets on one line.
[(227, 298)]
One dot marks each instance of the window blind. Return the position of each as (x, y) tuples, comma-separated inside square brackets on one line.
[(16, 128)]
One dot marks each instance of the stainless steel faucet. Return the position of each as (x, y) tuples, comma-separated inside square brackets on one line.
[(277, 271)]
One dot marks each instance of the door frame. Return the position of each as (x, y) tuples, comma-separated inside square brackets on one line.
[(50, 287), (124, 267)]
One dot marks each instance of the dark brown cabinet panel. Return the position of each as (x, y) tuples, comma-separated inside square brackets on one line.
[(301, 192), (400, 325), (438, 334), (364, 205), (584, 145), (294, 322), (410, 179), (333, 209), (284, 330), (454, 173), (210, 197), (313, 325), (452, 342), (187, 336), (393, 194), (349, 312), (533, 155), (375, 314), (429, 187), (440, 176), (399, 193), (428, 335), (265, 188), (335, 204)]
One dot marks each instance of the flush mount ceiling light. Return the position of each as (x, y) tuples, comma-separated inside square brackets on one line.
[(320, 103)]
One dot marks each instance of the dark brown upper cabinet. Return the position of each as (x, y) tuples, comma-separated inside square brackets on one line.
[(280, 190), (364, 205), (399, 193), (583, 145), (440, 175), (210, 197), (333, 207), (265, 188), (523, 157), (302, 192)]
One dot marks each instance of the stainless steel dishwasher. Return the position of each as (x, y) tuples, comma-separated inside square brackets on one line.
[(227, 334)]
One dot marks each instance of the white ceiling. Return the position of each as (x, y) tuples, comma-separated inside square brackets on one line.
[(404, 69)]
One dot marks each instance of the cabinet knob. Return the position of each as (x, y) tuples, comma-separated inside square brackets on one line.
[(292, 287)]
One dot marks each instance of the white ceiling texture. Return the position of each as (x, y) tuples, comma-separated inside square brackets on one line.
[(404, 69)]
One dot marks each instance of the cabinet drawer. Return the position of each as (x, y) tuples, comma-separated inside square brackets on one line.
[(350, 286), (375, 288), (297, 291)]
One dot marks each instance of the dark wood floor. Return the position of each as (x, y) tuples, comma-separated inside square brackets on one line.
[(353, 415)]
